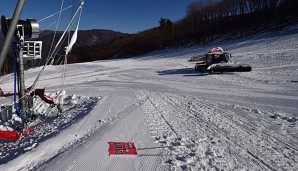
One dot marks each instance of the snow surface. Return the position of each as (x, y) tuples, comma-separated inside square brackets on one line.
[(178, 118)]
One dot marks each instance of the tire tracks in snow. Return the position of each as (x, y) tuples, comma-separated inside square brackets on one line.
[(218, 131), (268, 156), (191, 131), (253, 148)]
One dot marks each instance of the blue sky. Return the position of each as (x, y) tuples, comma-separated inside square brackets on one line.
[(129, 16)]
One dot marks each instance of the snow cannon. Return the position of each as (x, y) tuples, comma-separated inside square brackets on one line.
[(30, 27)]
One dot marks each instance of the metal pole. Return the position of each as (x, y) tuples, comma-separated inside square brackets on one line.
[(11, 31), (21, 80)]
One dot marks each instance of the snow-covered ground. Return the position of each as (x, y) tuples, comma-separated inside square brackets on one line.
[(179, 119)]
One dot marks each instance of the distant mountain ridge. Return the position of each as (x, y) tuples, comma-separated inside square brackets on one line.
[(85, 37)]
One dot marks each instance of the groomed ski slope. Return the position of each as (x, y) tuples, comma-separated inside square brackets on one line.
[(179, 119)]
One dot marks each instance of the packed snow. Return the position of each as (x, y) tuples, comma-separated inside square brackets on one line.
[(178, 118)]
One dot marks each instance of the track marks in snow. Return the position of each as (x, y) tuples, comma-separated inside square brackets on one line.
[(190, 147), (263, 146), (220, 138)]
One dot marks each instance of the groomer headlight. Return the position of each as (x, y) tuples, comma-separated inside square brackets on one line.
[(31, 27)]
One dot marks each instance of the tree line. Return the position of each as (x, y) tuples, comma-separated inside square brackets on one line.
[(204, 22)]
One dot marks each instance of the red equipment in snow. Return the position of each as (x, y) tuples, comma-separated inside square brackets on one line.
[(122, 148), (6, 135), (218, 61)]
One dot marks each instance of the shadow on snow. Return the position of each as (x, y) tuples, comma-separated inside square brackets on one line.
[(48, 129), (184, 72)]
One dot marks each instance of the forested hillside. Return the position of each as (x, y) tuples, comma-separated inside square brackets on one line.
[(204, 22)]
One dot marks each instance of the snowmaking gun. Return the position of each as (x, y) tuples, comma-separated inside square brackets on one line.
[(218, 61)]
